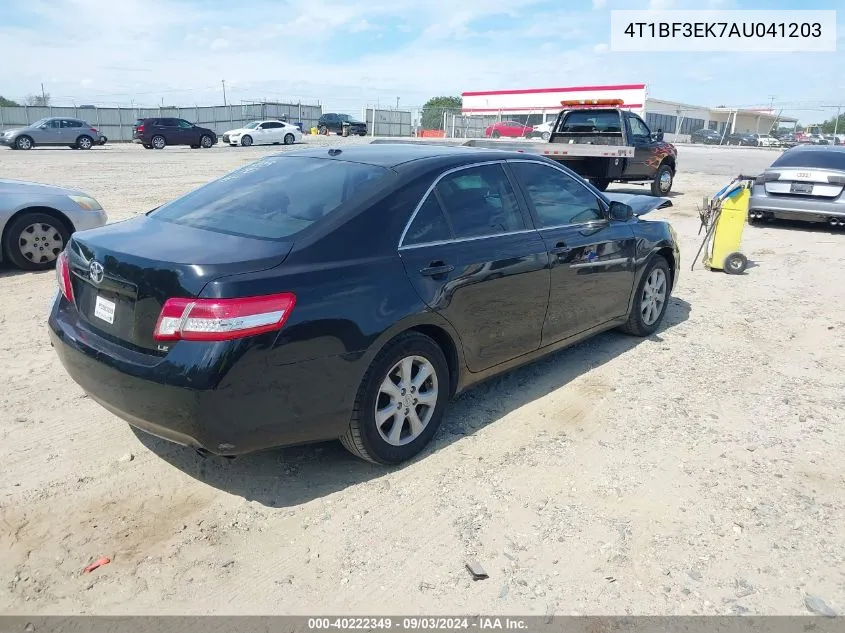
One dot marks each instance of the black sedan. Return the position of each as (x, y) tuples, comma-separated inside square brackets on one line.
[(706, 136), (741, 138), (326, 294)]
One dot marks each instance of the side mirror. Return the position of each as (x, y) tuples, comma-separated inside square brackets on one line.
[(620, 211), (42, 127), (658, 136)]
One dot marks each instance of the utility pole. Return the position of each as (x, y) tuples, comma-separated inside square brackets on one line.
[(836, 120), (397, 103), (43, 96), (223, 81)]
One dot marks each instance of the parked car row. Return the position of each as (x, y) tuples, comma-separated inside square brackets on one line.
[(161, 132), (709, 136)]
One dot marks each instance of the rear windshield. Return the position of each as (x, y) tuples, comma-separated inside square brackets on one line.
[(591, 122), (814, 159), (274, 198)]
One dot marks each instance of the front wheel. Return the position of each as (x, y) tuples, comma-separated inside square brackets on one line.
[(23, 142), (34, 240), (401, 401), (323, 130), (545, 136), (289, 139), (662, 183), (650, 300), (246, 141)]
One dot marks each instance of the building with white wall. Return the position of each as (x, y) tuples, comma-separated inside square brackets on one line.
[(534, 106)]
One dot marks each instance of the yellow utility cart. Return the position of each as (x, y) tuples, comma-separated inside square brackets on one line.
[(723, 218)]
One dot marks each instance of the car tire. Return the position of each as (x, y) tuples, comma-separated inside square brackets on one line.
[(362, 133), (158, 142), (24, 142), (600, 183), (545, 136), (206, 141), (289, 139), (246, 141), (735, 263), (45, 227), (495, 134), (640, 322), (323, 130), (663, 179), (85, 142), (385, 444)]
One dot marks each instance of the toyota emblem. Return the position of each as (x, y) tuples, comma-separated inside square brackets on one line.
[(95, 271)]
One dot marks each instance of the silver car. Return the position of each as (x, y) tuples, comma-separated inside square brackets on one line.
[(37, 220), (71, 132), (805, 183)]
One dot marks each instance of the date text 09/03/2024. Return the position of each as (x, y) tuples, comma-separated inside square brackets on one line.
[(417, 623)]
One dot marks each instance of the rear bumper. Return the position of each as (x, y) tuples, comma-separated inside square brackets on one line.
[(225, 398), (796, 208)]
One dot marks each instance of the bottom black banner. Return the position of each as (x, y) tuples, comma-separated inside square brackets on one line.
[(297, 624)]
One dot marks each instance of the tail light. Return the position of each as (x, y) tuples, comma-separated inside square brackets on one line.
[(140, 129), (834, 179), (222, 319), (63, 276), (766, 176), (95, 130)]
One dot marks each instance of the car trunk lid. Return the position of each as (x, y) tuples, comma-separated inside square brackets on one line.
[(123, 273), (804, 182)]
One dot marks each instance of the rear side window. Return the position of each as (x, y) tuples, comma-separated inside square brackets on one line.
[(480, 201), (813, 159), (274, 198), (429, 224)]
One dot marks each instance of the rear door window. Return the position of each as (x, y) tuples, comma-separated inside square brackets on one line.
[(591, 122), (274, 198), (480, 201)]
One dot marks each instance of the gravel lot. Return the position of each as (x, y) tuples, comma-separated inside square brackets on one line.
[(699, 471)]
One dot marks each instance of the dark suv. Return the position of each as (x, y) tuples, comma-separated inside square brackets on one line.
[(337, 122), (160, 132)]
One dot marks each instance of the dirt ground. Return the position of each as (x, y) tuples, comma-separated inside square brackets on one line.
[(695, 472)]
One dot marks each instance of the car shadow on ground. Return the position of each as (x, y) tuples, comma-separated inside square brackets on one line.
[(8, 270), (797, 225), (291, 476)]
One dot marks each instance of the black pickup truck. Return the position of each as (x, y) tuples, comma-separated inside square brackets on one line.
[(604, 145), (649, 158)]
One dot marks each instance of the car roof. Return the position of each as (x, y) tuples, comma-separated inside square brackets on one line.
[(816, 148), (395, 154)]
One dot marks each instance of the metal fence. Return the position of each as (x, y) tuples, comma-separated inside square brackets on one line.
[(463, 126), (116, 123), (388, 122)]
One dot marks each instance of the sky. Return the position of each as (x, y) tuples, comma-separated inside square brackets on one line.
[(345, 54)]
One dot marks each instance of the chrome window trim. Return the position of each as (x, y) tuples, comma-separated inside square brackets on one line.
[(458, 240), (431, 188)]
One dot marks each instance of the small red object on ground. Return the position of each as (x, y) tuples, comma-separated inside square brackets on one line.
[(105, 560)]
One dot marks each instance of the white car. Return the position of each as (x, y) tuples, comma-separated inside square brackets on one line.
[(543, 131), (764, 140), (270, 132)]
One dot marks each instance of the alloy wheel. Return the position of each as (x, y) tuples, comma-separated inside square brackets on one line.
[(653, 297), (40, 243), (406, 400)]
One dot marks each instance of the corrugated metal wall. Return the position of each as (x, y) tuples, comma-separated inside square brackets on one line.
[(388, 122), (116, 123)]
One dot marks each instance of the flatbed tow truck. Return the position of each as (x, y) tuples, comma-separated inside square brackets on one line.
[(600, 141)]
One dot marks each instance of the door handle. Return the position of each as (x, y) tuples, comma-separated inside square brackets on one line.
[(560, 249), (436, 269)]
